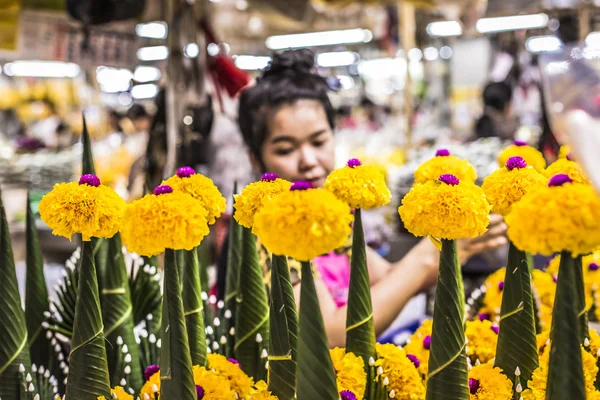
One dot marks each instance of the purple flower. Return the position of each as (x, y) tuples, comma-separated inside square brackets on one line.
[(427, 342), (269, 177), (501, 286), (151, 370), (185, 172), (496, 329), (570, 157), (163, 189), (593, 266), (484, 317), (233, 361), (414, 359), (200, 392), (473, 385), (449, 179), (559, 180), (442, 153), (516, 162), (90, 180), (347, 395), (353, 162), (554, 278), (520, 143), (301, 185)]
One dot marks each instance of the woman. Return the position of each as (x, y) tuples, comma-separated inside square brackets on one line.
[(497, 119), (287, 122)]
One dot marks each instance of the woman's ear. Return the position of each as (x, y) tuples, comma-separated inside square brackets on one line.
[(256, 164)]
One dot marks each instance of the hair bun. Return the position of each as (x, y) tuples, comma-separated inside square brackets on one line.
[(294, 62)]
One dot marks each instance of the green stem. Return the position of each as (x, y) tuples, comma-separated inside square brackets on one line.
[(193, 308), (581, 306)]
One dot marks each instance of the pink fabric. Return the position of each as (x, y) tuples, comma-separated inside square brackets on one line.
[(335, 273)]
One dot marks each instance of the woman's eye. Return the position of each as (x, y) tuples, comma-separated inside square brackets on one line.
[(283, 152), (319, 143)]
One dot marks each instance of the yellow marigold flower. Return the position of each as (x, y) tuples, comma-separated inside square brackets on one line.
[(566, 166), (254, 196), (487, 382), (163, 220), (118, 393), (530, 154), (509, 184), (361, 186), (349, 371), (401, 370), (262, 393), (211, 385), (446, 209), (564, 151), (151, 386), (85, 207), (200, 188), (482, 336), (303, 223), (444, 163), (420, 345), (240, 383), (492, 300), (561, 216)]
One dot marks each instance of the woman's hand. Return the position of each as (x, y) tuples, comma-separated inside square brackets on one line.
[(495, 237)]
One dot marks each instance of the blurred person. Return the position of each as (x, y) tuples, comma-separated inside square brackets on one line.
[(497, 119), (140, 118), (288, 124)]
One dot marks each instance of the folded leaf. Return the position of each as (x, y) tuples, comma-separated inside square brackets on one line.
[(177, 379), (118, 318), (87, 166), (88, 370), (146, 294), (517, 345), (252, 314), (284, 332), (360, 329), (448, 374), (193, 308), (234, 264), (565, 372), (36, 297), (316, 376), (582, 314), (14, 349)]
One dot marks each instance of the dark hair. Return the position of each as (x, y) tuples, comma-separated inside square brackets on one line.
[(496, 96), (137, 111), (288, 78)]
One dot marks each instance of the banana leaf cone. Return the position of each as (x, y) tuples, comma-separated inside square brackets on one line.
[(14, 349), (193, 308), (565, 372), (360, 329), (234, 265), (176, 375), (517, 346), (36, 297), (316, 376), (252, 314), (582, 313), (284, 332), (448, 373), (117, 315), (88, 369), (146, 295)]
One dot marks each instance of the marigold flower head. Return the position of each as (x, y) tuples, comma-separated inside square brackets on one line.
[(482, 338), (361, 186), (444, 163), (487, 382), (150, 385), (445, 210), (212, 385), (163, 221), (530, 154), (303, 224), (118, 393), (84, 207), (404, 377), (509, 184), (420, 345), (350, 372), (556, 218), (566, 166), (200, 188), (564, 151), (254, 196), (240, 382)]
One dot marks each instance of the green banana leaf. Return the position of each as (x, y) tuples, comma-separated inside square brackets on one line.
[(316, 376), (14, 350), (360, 329), (88, 369), (146, 295), (582, 314), (517, 345), (234, 264), (36, 296), (565, 372), (118, 318), (284, 332), (87, 166), (177, 379), (193, 308), (252, 314), (448, 374), (63, 317)]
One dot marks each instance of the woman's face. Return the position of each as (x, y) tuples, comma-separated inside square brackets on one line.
[(299, 145)]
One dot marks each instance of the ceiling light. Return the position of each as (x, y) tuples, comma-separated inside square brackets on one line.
[(313, 39), (415, 54), (152, 30), (42, 69), (113, 80), (337, 59), (213, 49), (251, 63), (431, 53), (191, 50), (147, 91), (444, 28), (446, 52), (153, 53), (593, 40), (513, 23), (145, 73), (543, 44)]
